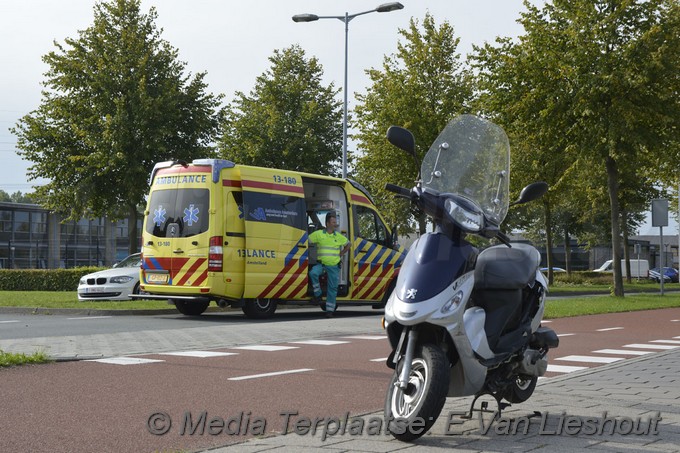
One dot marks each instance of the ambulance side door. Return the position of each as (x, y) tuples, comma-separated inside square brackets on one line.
[(375, 263), (275, 249)]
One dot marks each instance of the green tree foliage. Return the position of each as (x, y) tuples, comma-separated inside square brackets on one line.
[(601, 78), (289, 120), (115, 102), (421, 87)]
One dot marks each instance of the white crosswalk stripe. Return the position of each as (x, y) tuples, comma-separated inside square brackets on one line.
[(649, 346), (565, 369), (200, 354), (264, 347), (622, 352), (589, 359), (126, 361), (666, 341), (319, 342)]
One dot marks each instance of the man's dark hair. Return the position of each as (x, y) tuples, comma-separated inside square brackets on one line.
[(329, 216)]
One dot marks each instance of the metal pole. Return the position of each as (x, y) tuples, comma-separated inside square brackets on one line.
[(661, 260), (344, 119)]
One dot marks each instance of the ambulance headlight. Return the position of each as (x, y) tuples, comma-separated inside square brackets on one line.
[(465, 214)]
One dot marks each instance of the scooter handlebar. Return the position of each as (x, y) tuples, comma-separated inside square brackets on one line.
[(400, 191)]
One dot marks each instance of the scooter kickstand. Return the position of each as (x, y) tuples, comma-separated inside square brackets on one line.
[(484, 407)]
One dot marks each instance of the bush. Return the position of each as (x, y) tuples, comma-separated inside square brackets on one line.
[(43, 279), (583, 278)]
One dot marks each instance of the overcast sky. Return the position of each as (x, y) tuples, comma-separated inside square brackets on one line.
[(231, 40)]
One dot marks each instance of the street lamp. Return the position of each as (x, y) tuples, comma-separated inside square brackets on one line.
[(384, 8)]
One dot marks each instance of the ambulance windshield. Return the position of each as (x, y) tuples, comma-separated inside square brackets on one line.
[(187, 208)]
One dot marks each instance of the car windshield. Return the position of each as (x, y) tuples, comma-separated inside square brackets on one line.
[(131, 261)]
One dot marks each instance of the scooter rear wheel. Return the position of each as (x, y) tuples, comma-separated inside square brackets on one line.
[(521, 389), (410, 413)]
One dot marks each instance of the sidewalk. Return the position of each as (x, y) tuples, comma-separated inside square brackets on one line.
[(600, 409)]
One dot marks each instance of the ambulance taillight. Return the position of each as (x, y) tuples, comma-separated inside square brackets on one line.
[(215, 256)]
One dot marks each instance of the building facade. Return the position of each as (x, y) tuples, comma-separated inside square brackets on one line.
[(32, 237)]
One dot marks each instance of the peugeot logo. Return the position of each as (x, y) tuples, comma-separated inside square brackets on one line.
[(411, 293)]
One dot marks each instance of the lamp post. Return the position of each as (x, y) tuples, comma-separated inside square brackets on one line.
[(384, 8)]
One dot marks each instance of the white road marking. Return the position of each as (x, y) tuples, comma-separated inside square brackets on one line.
[(545, 321), (649, 346), (382, 359), (565, 334), (565, 369), (201, 354), (265, 347), (7, 322), (589, 359), (89, 317), (276, 373), (666, 341), (126, 361), (609, 328), (320, 342), (621, 351), (368, 337)]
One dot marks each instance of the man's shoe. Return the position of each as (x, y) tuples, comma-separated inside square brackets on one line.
[(329, 314), (315, 299)]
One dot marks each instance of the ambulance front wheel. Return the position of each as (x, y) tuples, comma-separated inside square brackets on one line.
[(259, 308), (191, 308)]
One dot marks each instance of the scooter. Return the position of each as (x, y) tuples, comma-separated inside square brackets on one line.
[(462, 322)]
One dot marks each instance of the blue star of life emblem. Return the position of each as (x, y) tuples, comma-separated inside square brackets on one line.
[(190, 215), (159, 215)]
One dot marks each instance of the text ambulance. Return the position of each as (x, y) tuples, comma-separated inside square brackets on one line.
[(238, 235)]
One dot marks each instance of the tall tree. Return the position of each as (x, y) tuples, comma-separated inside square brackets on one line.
[(421, 87), (613, 67), (289, 120), (116, 101)]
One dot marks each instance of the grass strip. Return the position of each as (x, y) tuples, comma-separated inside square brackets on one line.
[(8, 359)]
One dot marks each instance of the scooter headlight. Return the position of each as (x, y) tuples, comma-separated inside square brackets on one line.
[(466, 216)]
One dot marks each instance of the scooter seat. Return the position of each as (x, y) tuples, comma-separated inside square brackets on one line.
[(503, 267)]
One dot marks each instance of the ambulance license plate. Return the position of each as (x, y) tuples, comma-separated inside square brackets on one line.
[(157, 278)]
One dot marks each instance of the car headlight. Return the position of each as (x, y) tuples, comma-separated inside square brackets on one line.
[(82, 281), (121, 279), (468, 219)]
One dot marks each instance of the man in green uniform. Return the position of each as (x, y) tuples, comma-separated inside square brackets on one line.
[(330, 247)]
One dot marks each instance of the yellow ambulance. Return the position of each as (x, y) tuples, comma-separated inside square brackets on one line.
[(238, 235)]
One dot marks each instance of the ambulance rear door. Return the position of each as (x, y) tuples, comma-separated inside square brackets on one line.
[(276, 234), (177, 228)]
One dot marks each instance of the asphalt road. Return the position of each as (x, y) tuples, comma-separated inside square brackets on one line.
[(113, 404), (14, 326)]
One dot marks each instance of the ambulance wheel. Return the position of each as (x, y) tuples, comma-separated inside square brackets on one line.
[(191, 308), (259, 308)]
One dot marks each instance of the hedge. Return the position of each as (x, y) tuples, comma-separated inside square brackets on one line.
[(43, 279)]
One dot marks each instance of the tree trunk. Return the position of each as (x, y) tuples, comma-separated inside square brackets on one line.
[(548, 241), (624, 230), (133, 234), (613, 188)]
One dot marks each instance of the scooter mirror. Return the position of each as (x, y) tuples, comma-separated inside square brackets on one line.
[(402, 139), (531, 192)]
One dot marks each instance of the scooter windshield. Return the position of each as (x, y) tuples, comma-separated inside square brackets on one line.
[(471, 158)]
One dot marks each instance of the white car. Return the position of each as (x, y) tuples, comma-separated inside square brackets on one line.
[(112, 284)]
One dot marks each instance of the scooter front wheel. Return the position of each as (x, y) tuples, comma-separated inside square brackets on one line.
[(411, 412)]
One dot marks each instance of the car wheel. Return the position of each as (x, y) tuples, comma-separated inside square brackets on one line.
[(191, 308)]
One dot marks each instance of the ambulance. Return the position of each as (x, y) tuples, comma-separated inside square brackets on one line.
[(238, 235)]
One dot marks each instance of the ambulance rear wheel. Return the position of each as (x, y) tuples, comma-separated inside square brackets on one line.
[(191, 308), (259, 308)]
